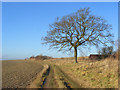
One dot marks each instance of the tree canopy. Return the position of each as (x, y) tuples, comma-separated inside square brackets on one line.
[(80, 28)]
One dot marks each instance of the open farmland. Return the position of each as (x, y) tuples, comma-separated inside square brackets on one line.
[(19, 73), (85, 74), (60, 73), (64, 73)]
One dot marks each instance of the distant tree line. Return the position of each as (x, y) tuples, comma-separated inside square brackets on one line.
[(40, 57), (107, 51)]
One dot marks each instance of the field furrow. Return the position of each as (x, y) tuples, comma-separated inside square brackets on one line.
[(19, 73)]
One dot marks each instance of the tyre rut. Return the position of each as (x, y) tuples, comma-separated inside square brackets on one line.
[(49, 80), (67, 81)]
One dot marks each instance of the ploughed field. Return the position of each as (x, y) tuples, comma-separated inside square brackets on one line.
[(19, 73)]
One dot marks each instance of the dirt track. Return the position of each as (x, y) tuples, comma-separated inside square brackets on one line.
[(52, 82)]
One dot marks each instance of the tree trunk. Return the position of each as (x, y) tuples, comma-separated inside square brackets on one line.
[(75, 54)]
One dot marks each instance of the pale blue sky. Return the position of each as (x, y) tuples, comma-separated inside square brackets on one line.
[(60, 0), (23, 25)]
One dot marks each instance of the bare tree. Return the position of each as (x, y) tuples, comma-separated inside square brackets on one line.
[(77, 30), (106, 50)]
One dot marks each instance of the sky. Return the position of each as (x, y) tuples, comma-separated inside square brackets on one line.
[(60, 0), (24, 23)]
